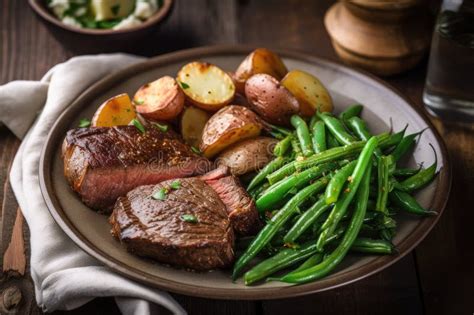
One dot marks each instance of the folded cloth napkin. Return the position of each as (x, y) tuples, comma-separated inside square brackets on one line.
[(65, 277)]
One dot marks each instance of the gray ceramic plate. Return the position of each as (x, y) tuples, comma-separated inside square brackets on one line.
[(385, 108)]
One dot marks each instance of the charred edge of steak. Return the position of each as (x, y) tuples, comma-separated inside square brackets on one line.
[(240, 206), (102, 164), (154, 228)]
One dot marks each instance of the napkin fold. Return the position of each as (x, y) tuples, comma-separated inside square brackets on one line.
[(65, 277)]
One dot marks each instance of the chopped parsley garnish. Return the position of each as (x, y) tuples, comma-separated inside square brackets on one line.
[(176, 184), (139, 125), (160, 194), (184, 86), (84, 122), (162, 128), (195, 150), (115, 9), (138, 102), (189, 218)]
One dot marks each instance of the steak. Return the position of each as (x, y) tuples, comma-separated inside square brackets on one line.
[(159, 229), (240, 206), (102, 163)]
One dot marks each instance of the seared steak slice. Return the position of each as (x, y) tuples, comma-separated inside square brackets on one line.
[(157, 229), (240, 206), (102, 164)]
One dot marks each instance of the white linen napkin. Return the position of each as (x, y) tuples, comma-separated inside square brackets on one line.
[(65, 277)]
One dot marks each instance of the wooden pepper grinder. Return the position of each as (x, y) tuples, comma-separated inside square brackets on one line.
[(382, 36)]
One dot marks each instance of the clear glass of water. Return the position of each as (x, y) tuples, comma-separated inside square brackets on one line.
[(449, 89)]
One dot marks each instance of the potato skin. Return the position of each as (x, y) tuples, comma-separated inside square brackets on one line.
[(261, 60), (115, 111), (206, 85), (230, 124), (159, 100), (309, 91), (247, 155), (270, 99), (192, 124)]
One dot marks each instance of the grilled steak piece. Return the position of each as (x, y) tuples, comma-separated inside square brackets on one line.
[(240, 206), (102, 164), (161, 229)]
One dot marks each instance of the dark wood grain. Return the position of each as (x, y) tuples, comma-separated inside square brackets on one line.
[(436, 279)]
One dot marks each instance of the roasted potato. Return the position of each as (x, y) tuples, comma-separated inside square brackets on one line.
[(229, 125), (115, 111), (159, 100), (261, 60), (206, 85), (248, 155), (193, 121), (270, 100), (309, 91)]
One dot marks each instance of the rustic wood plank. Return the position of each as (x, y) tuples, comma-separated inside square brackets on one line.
[(14, 259), (445, 258), (393, 291)]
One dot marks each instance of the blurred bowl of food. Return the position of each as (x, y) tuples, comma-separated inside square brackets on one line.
[(91, 26)]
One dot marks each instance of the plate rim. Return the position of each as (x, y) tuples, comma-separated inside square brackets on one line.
[(251, 293)]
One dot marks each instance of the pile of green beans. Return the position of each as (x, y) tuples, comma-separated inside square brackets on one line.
[(333, 187)]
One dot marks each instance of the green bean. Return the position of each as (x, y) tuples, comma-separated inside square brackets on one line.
[(319, 136), (313, 120), (310, 262), (306, 220), (371, 246), (277, 135), (340, 208), (332, 154), (339, 153), (386, 167), (406, 172), (281, 173), (408, 203), (336, 183), (336, 128), (296, 147), (330, 262), (275, 223), (257, 191), (351, 111), (419, 180), (302, 132), (331, 142), (269, 168), (283, 145), (281, 260), (360, 129), (274, 128), (393, 140), (276, 192), (405, 145)]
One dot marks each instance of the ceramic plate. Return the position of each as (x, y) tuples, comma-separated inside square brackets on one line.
[(384, 109)]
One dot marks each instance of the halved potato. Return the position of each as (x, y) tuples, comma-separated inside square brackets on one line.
[(159, 100), (115, 111), (229, 125), (261, 60), (206, 85), (193, 121), (309, 91), (248, 155), (270, 99)]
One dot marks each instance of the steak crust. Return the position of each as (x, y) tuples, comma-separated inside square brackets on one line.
[(102, 163), (156, 228)]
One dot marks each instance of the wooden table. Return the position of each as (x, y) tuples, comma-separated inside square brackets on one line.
[(437, 278)]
